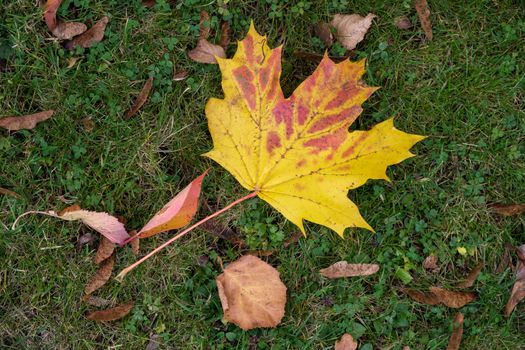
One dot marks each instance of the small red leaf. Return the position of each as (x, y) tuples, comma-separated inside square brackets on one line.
[(177, 213)]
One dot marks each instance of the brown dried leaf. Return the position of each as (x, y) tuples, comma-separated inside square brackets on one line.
[(101, 277), (205, 52), (105, 250), (141, 98), (84, 239), (421, 297), (88, 124), (25, 122), (92, 36), (251, 293), (293, 239), (50, 13), (471, 277), (225, 35), (10, 193), (68, 30), (149, 3), (344, 269), (71, 62), (351, 29), (508, 209), (518, 290), (453, 299), (204, 25), (346, 342), (403, 23), (178, 76), (430, 263), (135, 243), (457, 333), (504, 262), (423, 13), (112, 314), (323, 31), (96, 301)]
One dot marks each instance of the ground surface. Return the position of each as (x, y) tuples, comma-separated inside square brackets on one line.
[(465, 89)]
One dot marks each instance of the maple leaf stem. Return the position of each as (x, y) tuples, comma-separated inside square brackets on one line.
[(124, 272)]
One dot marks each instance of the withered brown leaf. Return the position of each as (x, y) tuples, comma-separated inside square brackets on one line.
[(112, 314), (518, 290), (344, 269), (225, 35), (25, 122), (204, 26), (205, 52), (346, 342), (453, 299), (101, 277), (90, 37), (508, 209), (423, 13), (421, 297), (105, 250), (68, 30), (351, 29), (471, 277), (457, 332), (141, 98)]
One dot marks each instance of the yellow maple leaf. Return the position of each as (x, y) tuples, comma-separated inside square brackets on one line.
[(297, 152)]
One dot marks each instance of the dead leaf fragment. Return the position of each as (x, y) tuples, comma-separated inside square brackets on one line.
[(344, 269), (421, 297), (508, 209), (518, 290), (403, 23), (204, 26), (181, 75), (225, 35), (149, 3), (423, 13), (251, 293), (10, 193), (471, 277), (135, 243), (96, 301), (112, 314), (68, 30), (27, 122), (457, 332), (205, 52), (430, 263), (346, 342), (451, 298), (105, 250), (90, 37), (50, 13), (351, 29), (323, 31), (178, 212), (141, 98), (101, 277), (71, 62)]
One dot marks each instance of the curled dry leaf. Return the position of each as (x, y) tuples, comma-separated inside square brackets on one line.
[(323, 31), (68, 30), (27, 122), (252, 294), (351, 29), (225, 35), (430, 263), (457, 332), (451, 298), (50, 13), (518, 290), (204, 26), (423, 13), (344, 269), (141, 99), (205, 52), (101, 277), (508, 209), (105, 250), (471, 277), (178, 212), (346, 342), (112, 314), (90, 37), (403, 23), (10, 193)]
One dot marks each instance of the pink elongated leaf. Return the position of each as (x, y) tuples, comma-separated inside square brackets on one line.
[(103, 223), (177, 213)]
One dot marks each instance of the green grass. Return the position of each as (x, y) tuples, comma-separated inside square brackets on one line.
[(465, 89)]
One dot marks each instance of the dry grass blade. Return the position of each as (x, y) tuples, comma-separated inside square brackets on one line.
[(90, 37), (346, 342), (453, 299), (344, 269), (457, 333), (10, 193), (105, 250), (421, 297), (518, 290), (508, 209), (423, 13), (101, 277), (27, 122), (141, 99), (471, 277), (112, 314), (205, 52)]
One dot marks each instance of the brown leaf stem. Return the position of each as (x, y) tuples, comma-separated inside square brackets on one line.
[(124, 272)]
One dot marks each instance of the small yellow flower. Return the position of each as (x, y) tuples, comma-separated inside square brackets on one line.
[(462, 251)]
